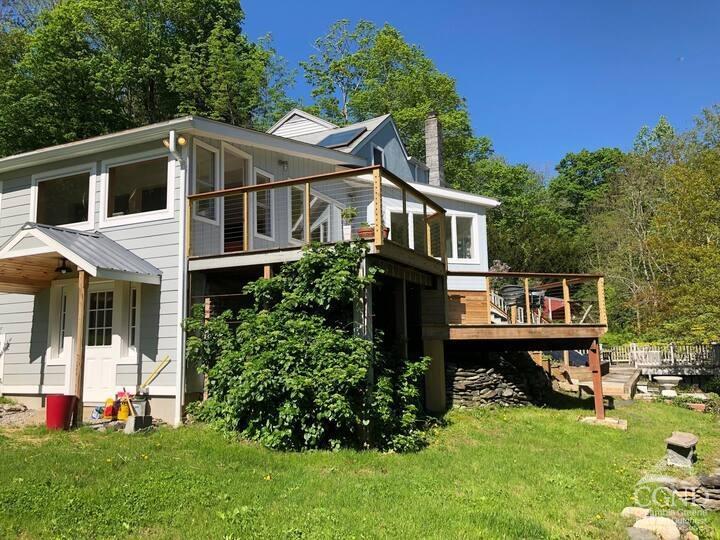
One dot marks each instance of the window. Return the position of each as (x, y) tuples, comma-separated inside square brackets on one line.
[(138, 187), (63, 200), (263, 206), (463, 235), (100, 319), (206, 176), (378, 155), (448, 236), (297, 214), (236, 167), (132, 318), (419, 233), (399, 228)]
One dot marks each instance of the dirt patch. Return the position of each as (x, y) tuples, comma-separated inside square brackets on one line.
[(15, 416)]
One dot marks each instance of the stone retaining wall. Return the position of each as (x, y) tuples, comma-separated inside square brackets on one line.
[(505, 378)]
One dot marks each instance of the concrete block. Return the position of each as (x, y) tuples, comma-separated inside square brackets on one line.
[(137, 423)]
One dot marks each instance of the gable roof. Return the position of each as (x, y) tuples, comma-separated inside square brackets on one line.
[(195, 125), (91, 251), (298, 122), (371, 126)]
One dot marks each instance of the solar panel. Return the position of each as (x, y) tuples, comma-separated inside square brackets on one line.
[(343, 138)]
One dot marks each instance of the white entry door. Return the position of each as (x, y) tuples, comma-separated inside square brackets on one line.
[(99, 361)]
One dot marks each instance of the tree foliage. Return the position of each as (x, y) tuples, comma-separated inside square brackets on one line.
[(89, 67), (291, 373), (363, 72)]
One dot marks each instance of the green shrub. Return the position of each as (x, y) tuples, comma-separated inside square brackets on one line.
[(294, 375)]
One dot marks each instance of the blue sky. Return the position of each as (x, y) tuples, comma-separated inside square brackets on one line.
[(541, 78)]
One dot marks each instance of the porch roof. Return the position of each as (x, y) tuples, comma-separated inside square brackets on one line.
[(28, 260)]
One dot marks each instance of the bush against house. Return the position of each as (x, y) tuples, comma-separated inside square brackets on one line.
[(292, 372)]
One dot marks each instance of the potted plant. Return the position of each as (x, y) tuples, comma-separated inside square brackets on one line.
[(366, 231), (348, 214)]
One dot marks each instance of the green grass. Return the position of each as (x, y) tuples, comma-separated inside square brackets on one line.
[(520, 473)]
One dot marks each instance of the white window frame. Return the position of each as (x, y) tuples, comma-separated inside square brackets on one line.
[(133, 350), (332, 202), (372, 154), (141, 217), (216, 181), (254, 202), (452, 257), (225, 146), (91, 169)]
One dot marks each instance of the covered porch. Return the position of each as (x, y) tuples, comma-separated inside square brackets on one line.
[(91, 289)]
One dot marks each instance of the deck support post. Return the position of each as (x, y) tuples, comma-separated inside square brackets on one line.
[(377, 198), (435, 392), (528, 314), (594, 358), (246, 221), (566, 301), (83, 282)]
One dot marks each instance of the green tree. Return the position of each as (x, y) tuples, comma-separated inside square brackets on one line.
[(94, 66), (583, 177), (364, 72)]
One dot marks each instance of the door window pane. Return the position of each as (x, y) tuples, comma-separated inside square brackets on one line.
[(100, 319), (62, 201), (137, 187), (464, 237)]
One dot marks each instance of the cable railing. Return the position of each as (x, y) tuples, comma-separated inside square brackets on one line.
[(519, 298), (366, 203)]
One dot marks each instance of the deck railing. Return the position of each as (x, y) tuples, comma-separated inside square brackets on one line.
[(366, 203), (542, 298)]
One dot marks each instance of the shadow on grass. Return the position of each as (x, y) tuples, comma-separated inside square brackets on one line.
[(558, 400)]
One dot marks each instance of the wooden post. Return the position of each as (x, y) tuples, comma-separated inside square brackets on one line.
[(307, 212), (489, 300), (513, 314), (566, 358), (602, 313), (207, 315), (377, 197), (594, 357), (83, 282), (246, 221), (528, 313), (267, 271), (443, 239), (566, 301)]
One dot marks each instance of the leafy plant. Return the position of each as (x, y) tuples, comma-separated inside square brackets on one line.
[(295, 375), (348, 214)]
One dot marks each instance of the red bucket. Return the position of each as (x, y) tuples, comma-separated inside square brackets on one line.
[(58, 411)]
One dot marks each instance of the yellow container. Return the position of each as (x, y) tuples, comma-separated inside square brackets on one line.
[(123, 411)]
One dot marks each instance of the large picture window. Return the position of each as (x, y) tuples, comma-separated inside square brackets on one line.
[(135, 188), (459, 237), (263, 206), (206, 180), (63, 200)]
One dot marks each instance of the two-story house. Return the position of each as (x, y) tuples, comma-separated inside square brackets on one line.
[(106, 242)]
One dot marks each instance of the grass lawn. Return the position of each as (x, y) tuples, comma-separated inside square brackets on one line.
[(520, 473)]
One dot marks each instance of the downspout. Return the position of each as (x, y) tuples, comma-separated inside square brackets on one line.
[(182, 280)]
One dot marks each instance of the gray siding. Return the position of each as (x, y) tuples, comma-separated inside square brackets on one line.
[(395, 160), (24, 318)]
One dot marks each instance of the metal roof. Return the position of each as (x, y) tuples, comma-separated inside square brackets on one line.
[(90, 250)]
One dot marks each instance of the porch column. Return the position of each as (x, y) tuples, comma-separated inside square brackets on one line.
[(435, 392), (594, 358), (83, 280)]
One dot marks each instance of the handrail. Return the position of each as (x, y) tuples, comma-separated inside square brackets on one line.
[(399, 182), (470, 273)]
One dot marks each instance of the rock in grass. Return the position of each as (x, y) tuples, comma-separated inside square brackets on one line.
[(635, 512), (663, 527), (640, 534)]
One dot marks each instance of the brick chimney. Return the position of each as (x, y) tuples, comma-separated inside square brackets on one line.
[(433, 150)]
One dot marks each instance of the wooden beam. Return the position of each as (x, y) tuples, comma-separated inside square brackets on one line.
[(522, 331), (566, 301), (188, 227), (246, 221), (578, 277), (488, 286), (594, 358), (528, 315), (83, 282), (601, 300), (377, 198), (428, 232)]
